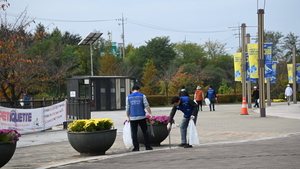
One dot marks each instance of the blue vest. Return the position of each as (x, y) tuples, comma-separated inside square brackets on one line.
[(185, 107), (136, 105), (210, 93)]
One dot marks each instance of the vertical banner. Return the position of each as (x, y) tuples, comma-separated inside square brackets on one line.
[(273, 78), (253, 80), (237, 66), (298, 73), (290, 72), (268, 59), (253, 60)]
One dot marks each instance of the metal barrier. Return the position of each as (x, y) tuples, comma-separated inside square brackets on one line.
[(78, 108)]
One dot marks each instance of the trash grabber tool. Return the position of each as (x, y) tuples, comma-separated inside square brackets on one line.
[(151, 129), (170, 138)]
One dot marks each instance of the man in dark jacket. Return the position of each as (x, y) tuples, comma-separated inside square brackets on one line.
[(255, 95), (183, 92), (190, 111)]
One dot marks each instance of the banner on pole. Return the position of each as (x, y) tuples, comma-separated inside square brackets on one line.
[(298, 73), (268, 60), (290, 72), (237, 66), (273, 78), (253, 60), (253, 80)]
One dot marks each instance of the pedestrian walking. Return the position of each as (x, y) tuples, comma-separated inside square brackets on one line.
[(199, 97), (136, 103), (288, 93), (255, 95), (190, 111), (183, 92), (211, 95)]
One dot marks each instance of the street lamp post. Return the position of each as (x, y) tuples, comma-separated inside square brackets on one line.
[(90, 39)]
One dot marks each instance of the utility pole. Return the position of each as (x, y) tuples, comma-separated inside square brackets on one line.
[(261, 62), (244, 69), (294, 75), (248, 82), (123, 36)]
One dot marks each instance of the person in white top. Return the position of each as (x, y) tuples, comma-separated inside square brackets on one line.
[(288, 93)]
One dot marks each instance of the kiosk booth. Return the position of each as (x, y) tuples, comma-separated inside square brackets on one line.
[(105, 92)]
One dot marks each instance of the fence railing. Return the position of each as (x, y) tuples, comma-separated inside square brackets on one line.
[(78, 108)]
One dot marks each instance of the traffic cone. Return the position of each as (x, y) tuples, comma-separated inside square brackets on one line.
[(244, 107)]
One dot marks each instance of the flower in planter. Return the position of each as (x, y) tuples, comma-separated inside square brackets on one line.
[(9, 136), (91, 125), (156, 120)]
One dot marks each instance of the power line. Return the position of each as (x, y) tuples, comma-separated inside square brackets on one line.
[(170, 29)]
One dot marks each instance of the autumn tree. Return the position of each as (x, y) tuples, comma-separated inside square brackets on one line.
[(179, 79), (19, 70), (149, 78)]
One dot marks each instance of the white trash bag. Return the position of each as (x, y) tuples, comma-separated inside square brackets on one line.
[(127, 135), (207, 101), (193, 134)]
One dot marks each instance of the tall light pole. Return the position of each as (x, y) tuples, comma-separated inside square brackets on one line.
[(90, 39), (261, 62)]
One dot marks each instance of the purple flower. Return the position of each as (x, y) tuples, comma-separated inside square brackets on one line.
[(9, 136)]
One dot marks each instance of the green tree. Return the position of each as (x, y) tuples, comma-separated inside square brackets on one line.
[(288, 42), (149, 78)]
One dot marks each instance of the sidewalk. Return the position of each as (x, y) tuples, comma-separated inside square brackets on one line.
[(225, 125)]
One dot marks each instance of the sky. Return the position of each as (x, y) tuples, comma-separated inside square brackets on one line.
[(191, 21)]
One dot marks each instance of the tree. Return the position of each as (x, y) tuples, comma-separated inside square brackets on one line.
[(288, 42), (19, 70), (179, 79), (149, 78), (214, 49), (189, 53)]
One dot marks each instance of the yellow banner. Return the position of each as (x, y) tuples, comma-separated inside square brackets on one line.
[(237, 66), (290, 72), (253, 60)]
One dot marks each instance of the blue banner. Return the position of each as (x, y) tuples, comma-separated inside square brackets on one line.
[(268, 59), (273, 78), (249, 70), (298, 73)]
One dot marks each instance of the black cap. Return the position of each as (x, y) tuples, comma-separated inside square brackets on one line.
[(135, 88), (175, 99)]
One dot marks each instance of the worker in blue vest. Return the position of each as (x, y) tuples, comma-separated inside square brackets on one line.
[(136, 103), (190, 111), (211, 95)]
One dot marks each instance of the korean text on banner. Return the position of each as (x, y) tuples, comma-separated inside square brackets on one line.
[(290, 72), (268, 59), (273, 78), (253, 60), (237, 66)]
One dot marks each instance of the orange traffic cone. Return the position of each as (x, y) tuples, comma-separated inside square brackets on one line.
[(244, 107)]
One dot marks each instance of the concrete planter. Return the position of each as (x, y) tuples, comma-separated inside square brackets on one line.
[(7, 150), (160, 134), (92, 143)]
